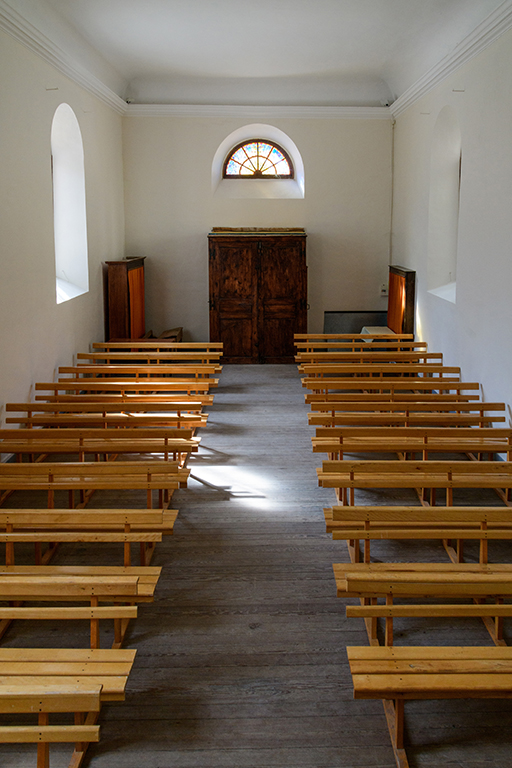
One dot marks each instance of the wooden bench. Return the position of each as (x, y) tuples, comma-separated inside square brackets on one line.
[(412, 441), (109, 420), (327, 387), (144, 527), (430, 417), (101, 593), (314, 337), (326, 401), (83, 405), (348, 412), (365, 356), (164, 476), (355, 345), (127, 386), (124, 399), (375, 523), (201, 356), (160, 344), (140, 371), (377, 371), (99, 441), (347, 475), (413, 404), (396, 674), (58, 680), (422, 583)]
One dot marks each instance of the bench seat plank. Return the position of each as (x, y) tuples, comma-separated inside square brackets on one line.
[(30, 734)]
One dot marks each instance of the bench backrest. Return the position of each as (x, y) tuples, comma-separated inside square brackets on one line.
[(99, 433), (374, 369), (105, 407), (128, 385)]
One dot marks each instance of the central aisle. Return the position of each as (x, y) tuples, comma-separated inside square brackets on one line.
[(241, 657)]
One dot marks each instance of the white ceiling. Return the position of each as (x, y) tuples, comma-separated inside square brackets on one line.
[(270, 52)]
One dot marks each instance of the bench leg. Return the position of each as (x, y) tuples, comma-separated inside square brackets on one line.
[(399, 723), (9, 547), (95, 626), (498, 623), (394, 712), (78, 755), (120, 627), (43, 748), (371, 622), (388, 634), (127, 554), (484, 548)]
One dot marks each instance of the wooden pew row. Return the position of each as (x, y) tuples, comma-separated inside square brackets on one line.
[(82, 405), (462, 589), (398, 674), (163, 476), (200, 357), (356, 345), (105, 414), (124, 399), (437, 403), (439, 412), (376, 523), (415, 419), (49, 681), (144, 527), (348, 476), (368, 356), (324, 401), (126, 386), (137, 371), (36, 444), (307, 337), (322, 388), (108, 420), (377, 371), (160, 344), (96, 596), (409, 441)]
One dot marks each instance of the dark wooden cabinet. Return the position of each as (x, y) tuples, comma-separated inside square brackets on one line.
[(258, 293), (124, 306)]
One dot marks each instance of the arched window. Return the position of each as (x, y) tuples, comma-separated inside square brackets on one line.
[(257, 159), (444, 201), (257, 187), (69, 213)]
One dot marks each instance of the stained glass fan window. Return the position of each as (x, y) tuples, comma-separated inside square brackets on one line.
[(258, 159)]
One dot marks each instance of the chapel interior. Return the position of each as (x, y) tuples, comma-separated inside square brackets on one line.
[(396, 118)]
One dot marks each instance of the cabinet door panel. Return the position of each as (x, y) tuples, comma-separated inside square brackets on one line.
[(236, 336), (282, 297), (233, 315)]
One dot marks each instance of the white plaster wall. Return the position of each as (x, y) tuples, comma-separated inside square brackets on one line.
[(36, 334), (476, 332), (170, 208)]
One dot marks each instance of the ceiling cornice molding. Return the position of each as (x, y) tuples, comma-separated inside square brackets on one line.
[(257, 113), (495, 25), (23, 31)]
